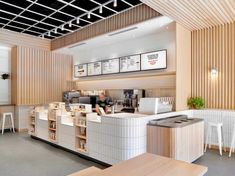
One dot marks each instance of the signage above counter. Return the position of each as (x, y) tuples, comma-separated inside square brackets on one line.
[(141, 62)]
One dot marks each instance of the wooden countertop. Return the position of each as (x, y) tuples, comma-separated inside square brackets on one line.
[(153, 165)]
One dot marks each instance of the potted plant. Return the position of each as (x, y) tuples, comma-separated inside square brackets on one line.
[(5, 76), (195, 102)]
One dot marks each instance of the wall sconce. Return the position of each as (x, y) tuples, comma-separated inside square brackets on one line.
[(214, 71)]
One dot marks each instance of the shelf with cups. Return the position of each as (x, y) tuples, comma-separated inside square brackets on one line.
[(80, 130), (52, 125), (32, 122)]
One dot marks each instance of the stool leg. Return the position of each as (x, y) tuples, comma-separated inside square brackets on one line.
[(207, 137), (3, 124), (223, 138), (12, 124), (232, 143), (219, 140)]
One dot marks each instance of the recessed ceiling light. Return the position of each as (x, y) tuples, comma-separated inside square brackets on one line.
[(78, 20), (101, 9), (115, 3)]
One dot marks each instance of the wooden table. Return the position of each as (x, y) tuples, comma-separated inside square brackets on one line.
[(153, 165)]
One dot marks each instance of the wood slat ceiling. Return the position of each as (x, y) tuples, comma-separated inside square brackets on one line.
[(196, 14)]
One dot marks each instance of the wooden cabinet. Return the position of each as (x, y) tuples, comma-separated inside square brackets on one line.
[(185, 143)]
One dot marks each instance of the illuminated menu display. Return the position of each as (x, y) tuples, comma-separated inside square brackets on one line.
[(153, 60), (80, 70), (94, 68), (110, 66), (130, 63)]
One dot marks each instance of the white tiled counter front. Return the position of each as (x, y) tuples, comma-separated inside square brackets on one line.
[(119, 137)]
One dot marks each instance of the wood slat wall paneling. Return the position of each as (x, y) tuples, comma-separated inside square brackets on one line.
[(183, 67), (196, 14), (13, 38), (214, 48), (135, 15), (39, 76)]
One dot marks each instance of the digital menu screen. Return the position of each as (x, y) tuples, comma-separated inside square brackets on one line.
[(94, 68), (110, 66), (153, 60), (130, 63), (80, 70)]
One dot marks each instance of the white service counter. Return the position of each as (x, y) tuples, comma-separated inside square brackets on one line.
[(117, 137)]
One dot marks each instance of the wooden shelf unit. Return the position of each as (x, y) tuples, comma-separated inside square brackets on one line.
[(32, 122), (52, 125), (80, 130)]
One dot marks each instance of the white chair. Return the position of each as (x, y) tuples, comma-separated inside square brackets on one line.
[(4, 116), (219, 130), (232, 143)]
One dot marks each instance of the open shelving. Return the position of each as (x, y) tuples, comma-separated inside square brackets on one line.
[(52, 125), (32, 122), (80, 130)]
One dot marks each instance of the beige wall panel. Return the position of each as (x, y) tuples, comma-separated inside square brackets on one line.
[(195, 14), (183, 67), (40, 76), (12, 38), (135, 15), (214, 48)]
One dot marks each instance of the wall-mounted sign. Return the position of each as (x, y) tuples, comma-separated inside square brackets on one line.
[(94, 68), (153, 60), (130, 63), (110, 66), (80, 70)]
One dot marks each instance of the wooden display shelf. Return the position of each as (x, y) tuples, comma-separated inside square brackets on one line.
[(52, 129), (81, 136), (82, 150), (53, 120), (83, 126)]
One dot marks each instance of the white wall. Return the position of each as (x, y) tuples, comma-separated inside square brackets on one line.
[(5, 67), (151, 42)]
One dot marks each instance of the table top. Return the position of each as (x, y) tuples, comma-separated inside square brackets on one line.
[(153, 165)]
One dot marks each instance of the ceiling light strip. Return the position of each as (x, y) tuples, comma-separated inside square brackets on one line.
[(33, 11), (104, 6), (46, 18), (20, 13), (27, 24), (127, 3), (29, 18)]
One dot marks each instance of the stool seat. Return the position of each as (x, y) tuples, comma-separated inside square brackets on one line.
[(4, 116), (219, 130)]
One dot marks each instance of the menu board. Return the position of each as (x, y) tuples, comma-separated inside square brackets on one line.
[(80, 70), (130, 63), (94, 68), (110, 66), (153, 60)]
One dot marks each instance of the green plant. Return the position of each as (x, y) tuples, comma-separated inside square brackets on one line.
[(5, 76), (195, 102)]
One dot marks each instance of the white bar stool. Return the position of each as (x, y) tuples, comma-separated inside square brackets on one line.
[(232, 142), (219, 130), (4, 116)]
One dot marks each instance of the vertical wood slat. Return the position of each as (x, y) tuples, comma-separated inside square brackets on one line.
[(214, 47), (39, 76), (135, 15)]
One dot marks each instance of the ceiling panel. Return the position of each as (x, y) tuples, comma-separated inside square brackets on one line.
[(43, 17), (196, 14)]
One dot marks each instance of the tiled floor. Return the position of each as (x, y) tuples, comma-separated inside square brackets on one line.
[(21, 155)]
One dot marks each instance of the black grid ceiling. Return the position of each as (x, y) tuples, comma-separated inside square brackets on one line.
[(54, 18)]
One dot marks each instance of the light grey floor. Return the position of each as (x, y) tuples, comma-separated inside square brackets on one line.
[(218, 165), (21, 155)]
